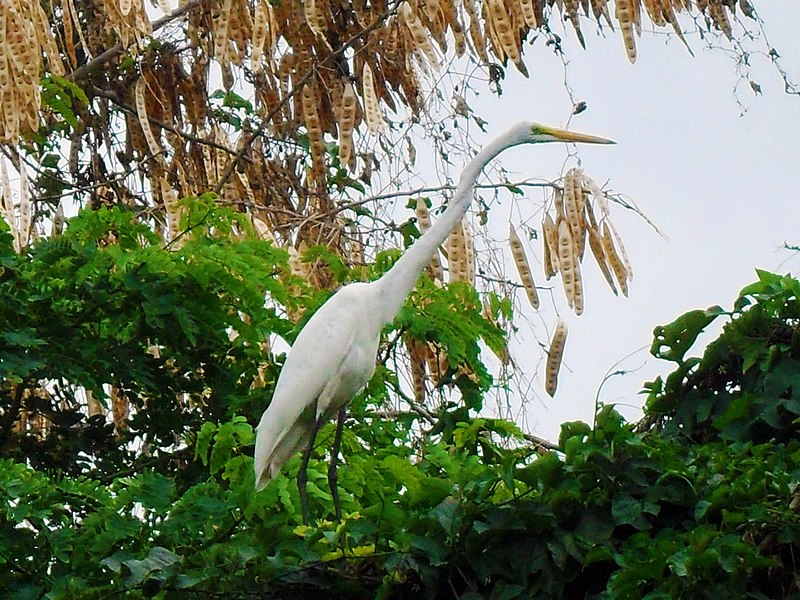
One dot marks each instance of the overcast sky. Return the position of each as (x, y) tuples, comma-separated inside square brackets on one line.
[(721, 185)]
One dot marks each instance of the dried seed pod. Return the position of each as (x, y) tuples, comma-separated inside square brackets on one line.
[(311, 102), (718, 14), (614, 259), (469, 251), (597, 193), (419, 35), (475, 33), (58, 221), (506, 35), (221, 32), (170, 198), (93, 405), (573, 207), (528, 13), (566, 261), (24, 228), (423, 215), (600, 9), (596, 246), (315, 20), (6, 195), (372, 113), (554, 356), (523, 268), (457, 254), (144, 123), (625, 16), (550, 241), (418, 355), (120, 410), (261, 23), (424, 221), (621, 248), (347, 122), (653, 8)]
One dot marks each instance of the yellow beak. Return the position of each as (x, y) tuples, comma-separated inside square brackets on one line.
[(572, 136)]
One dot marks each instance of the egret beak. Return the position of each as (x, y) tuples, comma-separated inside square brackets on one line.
[(562, 135)]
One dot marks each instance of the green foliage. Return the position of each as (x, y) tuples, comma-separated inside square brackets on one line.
[(746, 386), (700, 505)]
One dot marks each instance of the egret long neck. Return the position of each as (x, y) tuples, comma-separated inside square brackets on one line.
[(397, 282)]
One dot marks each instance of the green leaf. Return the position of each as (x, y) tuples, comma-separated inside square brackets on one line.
[(671, 342)]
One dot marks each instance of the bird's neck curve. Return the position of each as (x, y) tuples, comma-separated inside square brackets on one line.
[(396, 284)]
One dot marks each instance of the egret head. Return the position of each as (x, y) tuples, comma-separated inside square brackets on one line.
[(536, 133)]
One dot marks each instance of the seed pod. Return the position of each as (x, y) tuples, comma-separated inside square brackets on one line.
[(475, 33), (597, 194), (260, 25), (24, 229), (555, 356), (614, 260), (94, 406), (622, 253), (653, 8), (141, 113), (550, 235), (469, 251), (457, 254), (6, 195), (573, 207), (596, 246), (347, 122), (58, 221), (423, 215), (372, 113), (419, 35), (506, 36), (528, 13), (600, 8), (125, 7), (315, 20), (120, 410), (170, 198), (47, 41), (424, 221), (221, 32), (418, 354), (523, 268), (262, 230), (311, 102), (566, 261), (718, 14), (625, 16)]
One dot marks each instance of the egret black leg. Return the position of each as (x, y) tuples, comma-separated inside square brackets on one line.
[(302, 473), (333, 476)]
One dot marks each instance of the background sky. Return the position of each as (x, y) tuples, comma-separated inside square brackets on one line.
[(716, 169)]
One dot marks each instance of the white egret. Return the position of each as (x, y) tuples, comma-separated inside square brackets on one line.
[(334, 355)]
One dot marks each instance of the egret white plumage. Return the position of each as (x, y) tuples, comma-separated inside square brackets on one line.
[(334, 355)]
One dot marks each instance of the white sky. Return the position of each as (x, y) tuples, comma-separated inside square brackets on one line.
[(722, 187)]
